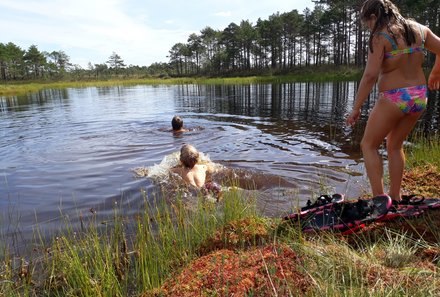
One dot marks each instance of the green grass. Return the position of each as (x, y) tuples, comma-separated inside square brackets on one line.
[(322, 75), (425, 150), (131, 256), (114, 261)]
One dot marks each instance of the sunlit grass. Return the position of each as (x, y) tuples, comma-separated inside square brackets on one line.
[(13, 88), (384, 261), (133, 256), (113, 261), (425, 150)]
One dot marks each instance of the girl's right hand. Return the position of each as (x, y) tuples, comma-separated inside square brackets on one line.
[(353, 117)]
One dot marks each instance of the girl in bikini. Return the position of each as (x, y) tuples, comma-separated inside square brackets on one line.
[(395, 57)]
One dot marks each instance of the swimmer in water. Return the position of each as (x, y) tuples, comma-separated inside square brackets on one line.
[(177, 124), (194, 173)]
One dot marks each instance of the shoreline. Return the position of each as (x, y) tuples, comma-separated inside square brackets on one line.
[(21, 88), (231, 248)]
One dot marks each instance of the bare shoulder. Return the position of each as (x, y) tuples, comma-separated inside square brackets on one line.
[(379, 38), (417, 27), (211, 168), (432, 41), (203, 167), (379, 43)]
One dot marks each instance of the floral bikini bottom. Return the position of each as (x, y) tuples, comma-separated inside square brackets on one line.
[(408, 100)]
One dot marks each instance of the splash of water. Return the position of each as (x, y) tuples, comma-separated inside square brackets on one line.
[(161, 171)]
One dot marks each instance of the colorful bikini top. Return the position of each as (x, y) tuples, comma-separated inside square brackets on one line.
[(398, 52)]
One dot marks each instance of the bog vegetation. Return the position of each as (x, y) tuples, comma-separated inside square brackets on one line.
[(229, 249)]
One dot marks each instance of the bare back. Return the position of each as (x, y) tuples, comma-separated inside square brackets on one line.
[(195, 176), (403, 70)]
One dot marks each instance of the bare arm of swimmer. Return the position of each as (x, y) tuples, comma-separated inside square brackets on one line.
[(432, 43), (369, 78)]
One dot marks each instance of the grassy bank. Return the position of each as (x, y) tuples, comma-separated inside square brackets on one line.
[(9, 89), (227, 249), (426, 150)]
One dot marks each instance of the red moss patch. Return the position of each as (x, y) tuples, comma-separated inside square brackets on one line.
[(380, 277), (386, 276), (259, 271), (422, 180), (431, 254), (238, 234)]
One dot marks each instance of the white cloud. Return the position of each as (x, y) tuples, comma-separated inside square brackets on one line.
[(140, 32), (223, 13), (96, 27)]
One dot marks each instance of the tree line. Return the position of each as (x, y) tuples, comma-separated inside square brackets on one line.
[(19, 64), (330, 34)]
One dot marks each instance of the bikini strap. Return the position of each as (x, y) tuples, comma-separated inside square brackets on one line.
[(390, 39), (422, 35)]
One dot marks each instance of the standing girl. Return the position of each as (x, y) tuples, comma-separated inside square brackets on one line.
[(395, 58)]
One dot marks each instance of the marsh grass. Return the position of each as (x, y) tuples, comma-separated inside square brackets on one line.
[(425, 150), (387, 265), (121, 260), (138, 256), (343, 74), (398, 249)]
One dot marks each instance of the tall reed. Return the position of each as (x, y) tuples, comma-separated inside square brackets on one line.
[(424, 150), (124, 257)]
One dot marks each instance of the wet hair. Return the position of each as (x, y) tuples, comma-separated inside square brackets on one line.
[(387, 14), (189, 156), (177, 123)]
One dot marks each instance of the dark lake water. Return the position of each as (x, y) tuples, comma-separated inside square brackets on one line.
[(64, 152)]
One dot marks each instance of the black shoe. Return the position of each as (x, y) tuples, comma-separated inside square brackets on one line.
[(411, 200), (395, 205)]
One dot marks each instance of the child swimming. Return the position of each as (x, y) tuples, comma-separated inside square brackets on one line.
[(177, 124), (195, 173)]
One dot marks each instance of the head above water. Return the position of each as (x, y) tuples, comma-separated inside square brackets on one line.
[(189, 156), (177, 123), (384, 15)]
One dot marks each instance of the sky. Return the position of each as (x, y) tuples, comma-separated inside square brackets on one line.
[(141, 32)]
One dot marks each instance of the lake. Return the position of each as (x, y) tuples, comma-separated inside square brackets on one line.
[(67, 153)]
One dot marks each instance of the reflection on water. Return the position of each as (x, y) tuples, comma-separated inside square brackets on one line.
[(66, 151)]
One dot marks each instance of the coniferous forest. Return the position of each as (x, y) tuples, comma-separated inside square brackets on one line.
[(327, 37)]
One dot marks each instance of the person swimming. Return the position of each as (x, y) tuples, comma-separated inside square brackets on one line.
[(177, 124), (195, 173)]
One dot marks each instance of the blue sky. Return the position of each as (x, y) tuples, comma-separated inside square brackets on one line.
[(141, 32)]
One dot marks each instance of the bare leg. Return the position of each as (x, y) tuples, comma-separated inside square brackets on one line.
[(396, 156), (382, 120), (396, 164)]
